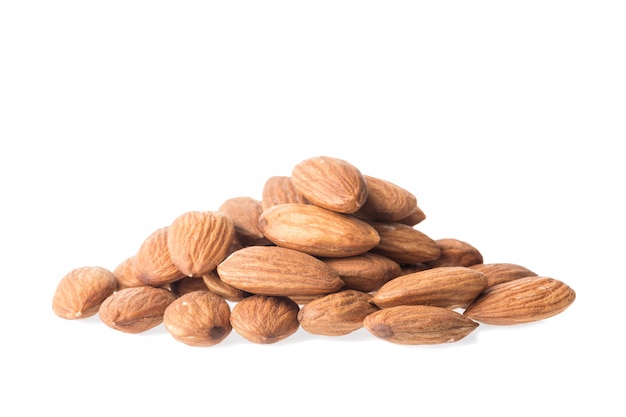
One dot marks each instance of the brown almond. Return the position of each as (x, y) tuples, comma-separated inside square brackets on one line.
[(317, 231), (245, 213), (215, 284), (522, 300), (265, 319), (126, 273), (497, 273), (404, 244), (455, 252), (81, 291), (186, 285), (386, 201), (272, 270), (280, 190), (366, 272), (419, 325), (153, 262), (336, 314), (415, 217), (448, 287), (136, 309), (331, 183), (199, 240), (199, 318), (406, 269)]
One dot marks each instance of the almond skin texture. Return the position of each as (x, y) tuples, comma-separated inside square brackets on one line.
[(419, 325), (415, 217), (280, 190), (126, 273), (153, 262), (81, 291), (199, 318), (448, 287), (404, 244), (497, 273), (199, 240), (336, 314), (522, 300), (245, 213), (215, 284), (265, 319), (272, 270), (386, 201), (331, 183), (136, 309), (367, 272), (186, 285), (317, 231), (455, 252)]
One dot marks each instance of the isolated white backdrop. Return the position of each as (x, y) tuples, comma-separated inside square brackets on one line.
[(504, 118)]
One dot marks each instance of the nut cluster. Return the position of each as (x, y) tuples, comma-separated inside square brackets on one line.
[(328, 249)]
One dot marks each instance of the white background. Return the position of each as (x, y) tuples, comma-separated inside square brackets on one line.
[(504, 118)]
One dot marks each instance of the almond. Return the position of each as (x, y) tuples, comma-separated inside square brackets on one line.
[(317, 231), (153, 262), (215, 284), (336, 314), (366, 272), (126, 273), (455, 252), (415, 217), (81, 291), (280, 190), (331, 183), (419, 325), (522, 300), (265, 319), (199, 318), (136, 309), (245, 213), (272, 270), (497, 273), (448, 287), (199, 240), (404, 244), (186, 285), (386, 201)]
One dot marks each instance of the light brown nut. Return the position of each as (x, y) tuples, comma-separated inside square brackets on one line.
[(331, 183), (419, 325), (136, 309), (406, 269), (386, 201), (272, 270), (186, 285), (245, 213), (199, 318), (126, 273), (280, 190), (455, 252), (215, 284), (336, 314), (522, 300), (404, 244), (366, 272), (81, 291), (415, 217), (497, 273), (265, 319), (449, 287), (153, 262), (199, 240), (317, 231)]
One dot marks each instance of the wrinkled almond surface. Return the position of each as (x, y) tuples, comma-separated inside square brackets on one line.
[(245, 213), (404, 244), (317, 231), (386, 201), (136, 309), (215, 284), (153, 262), (198, 318), (497, 273), (81, 291), (419, 325), (280, 190), (455, 252), (126, 273), (265, 319), (366, 272)]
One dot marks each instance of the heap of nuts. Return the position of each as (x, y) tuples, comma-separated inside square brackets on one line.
[(328, 249)]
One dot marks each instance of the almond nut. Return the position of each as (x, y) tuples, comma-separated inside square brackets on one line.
[(81, 291), (404, 244), (265, 319), (215, 284), (386, 201), (497, 273), (455, 252), (280, 190), (153, 262), (366, 272), (245, 213)]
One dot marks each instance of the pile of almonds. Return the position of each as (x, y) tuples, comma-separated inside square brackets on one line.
[(328, 249)]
